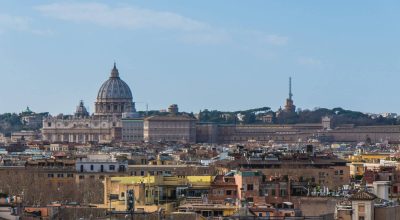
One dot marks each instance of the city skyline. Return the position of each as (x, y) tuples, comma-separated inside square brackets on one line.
[(54, 54)]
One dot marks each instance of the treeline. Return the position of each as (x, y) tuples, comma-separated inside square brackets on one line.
[(38, 190), (247, 116), (255, 116), (342, 116), (10, 122)]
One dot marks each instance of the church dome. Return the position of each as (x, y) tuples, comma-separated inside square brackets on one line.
[(114, 97), (114, 88)]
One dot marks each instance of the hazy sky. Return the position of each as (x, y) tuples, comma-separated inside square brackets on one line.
[(226, 55)]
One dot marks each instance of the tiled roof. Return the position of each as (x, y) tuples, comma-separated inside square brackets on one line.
[(363, 195)]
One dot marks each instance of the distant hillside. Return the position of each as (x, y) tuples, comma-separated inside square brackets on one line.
[(10, 122), (247, 116), (254, 116)]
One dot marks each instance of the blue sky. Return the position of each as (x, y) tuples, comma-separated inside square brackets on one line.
[(226, 55)]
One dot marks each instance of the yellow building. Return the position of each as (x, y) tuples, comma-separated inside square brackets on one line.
[(361, 162), (153, 192), (369, 158), (356, 169)]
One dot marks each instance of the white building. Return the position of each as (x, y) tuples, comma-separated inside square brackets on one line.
[(381, 189), (24, 136), (99, 163), (58, 147)]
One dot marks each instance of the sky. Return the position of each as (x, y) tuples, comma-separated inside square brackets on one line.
[(225, 55)]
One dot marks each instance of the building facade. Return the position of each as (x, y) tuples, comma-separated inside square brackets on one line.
[(100, 164), (132, 129), (104, 126), (170, 128)]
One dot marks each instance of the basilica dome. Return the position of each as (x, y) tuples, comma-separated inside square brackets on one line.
[(114, 96), (114, 88)]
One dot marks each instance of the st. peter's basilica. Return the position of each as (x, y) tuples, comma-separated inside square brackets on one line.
[(114, 100)]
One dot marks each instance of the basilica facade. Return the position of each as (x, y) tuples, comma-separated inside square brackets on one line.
[(114, 99)]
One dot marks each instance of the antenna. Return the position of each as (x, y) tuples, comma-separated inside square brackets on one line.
[(290, 88)]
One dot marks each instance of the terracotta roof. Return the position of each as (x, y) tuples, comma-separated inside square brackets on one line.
[(363, 195)]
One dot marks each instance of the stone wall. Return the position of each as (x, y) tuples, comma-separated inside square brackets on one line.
[(315, 206)]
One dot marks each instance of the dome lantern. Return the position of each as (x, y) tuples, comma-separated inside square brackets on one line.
[(114, 72)]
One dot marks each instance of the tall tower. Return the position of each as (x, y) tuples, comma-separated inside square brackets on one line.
[(290, 107), (290, 88)]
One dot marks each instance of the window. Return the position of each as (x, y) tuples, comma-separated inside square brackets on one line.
[(70, 175), (81, 177), (228, 192), (60, 175), (50, 175), (91, 167), (218, 213), (112, 167), (122, 194), (341, 172), (361, 208), (142, 173), (250, 187)]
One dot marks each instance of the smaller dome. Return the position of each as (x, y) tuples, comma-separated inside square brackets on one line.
[(81, 111)]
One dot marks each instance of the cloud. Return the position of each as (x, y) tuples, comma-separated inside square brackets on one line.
[(120, 17), (210, 37), (129, 17), (18, 23), (13, 22), (276, 40), (309, 61)]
